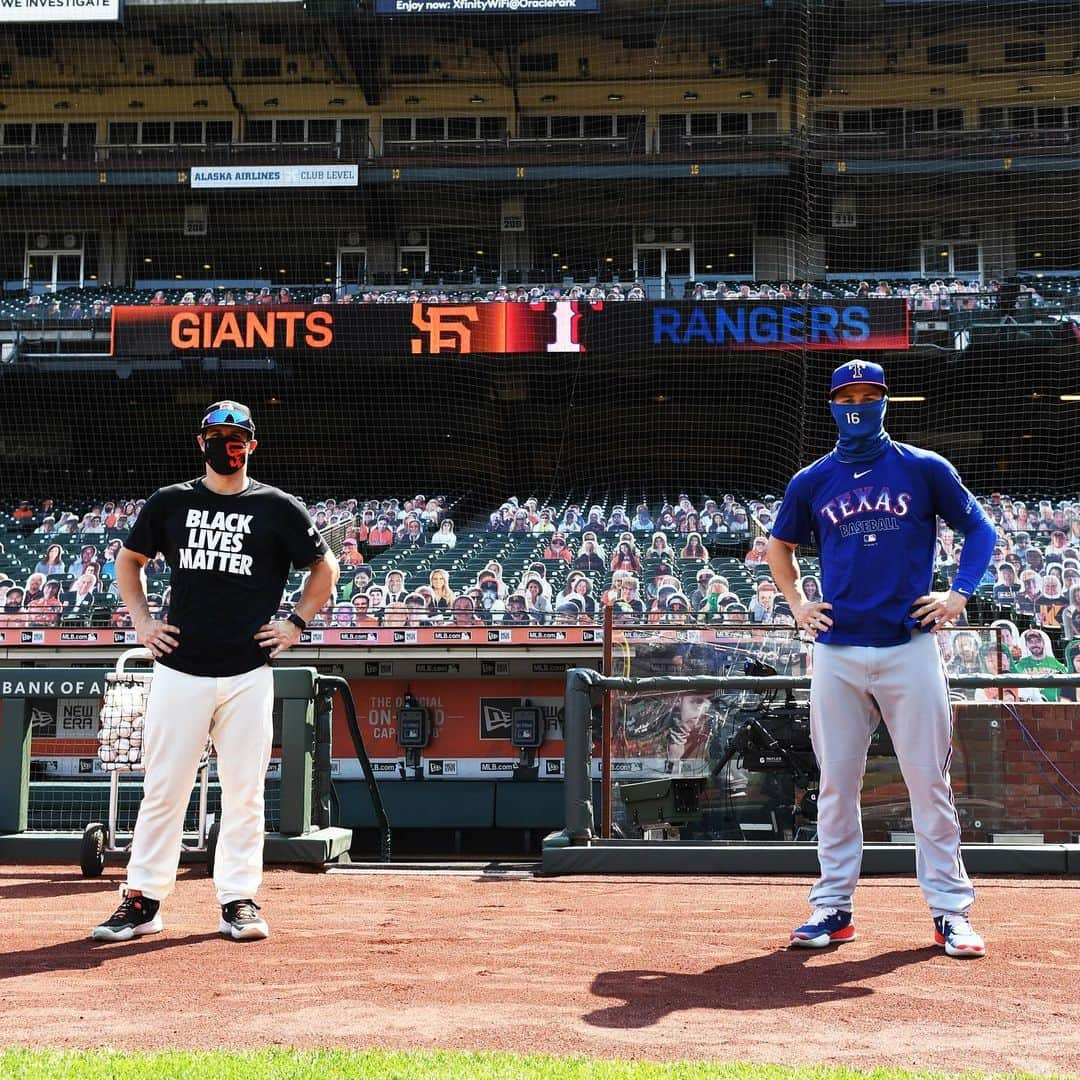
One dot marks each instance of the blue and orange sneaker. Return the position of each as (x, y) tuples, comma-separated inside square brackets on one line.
[(827, 926), (958, 936)]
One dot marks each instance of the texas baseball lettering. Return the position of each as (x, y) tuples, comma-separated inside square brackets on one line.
[(865, 501), (869, 527), (216, 542)]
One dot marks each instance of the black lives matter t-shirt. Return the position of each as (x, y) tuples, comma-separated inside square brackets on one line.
[(230, 556)]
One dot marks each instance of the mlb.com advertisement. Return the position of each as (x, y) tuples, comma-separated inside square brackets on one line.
[(383, 636), (470, 727)]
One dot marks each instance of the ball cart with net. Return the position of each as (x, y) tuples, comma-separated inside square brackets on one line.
[(120, 746)]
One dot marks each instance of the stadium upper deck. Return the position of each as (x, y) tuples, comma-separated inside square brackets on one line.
[(766, 141)]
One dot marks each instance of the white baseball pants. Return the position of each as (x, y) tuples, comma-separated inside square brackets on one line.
[(237, 711), (906, 685)]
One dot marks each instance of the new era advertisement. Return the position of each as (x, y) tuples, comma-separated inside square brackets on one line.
[(470, 727)]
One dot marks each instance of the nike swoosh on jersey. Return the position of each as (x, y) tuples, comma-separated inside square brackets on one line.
[(860, 475)]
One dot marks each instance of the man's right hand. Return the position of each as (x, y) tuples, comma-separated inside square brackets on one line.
[(159, 637), (811, 617)]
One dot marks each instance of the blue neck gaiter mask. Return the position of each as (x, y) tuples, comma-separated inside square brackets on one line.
[(862, 430)]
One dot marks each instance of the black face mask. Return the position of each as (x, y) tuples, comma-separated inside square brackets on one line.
[(225, 454)]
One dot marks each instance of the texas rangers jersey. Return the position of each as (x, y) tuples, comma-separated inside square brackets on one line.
[(875, 524)]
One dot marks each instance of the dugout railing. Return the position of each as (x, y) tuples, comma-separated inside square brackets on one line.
[(299, 798), (585, 846)]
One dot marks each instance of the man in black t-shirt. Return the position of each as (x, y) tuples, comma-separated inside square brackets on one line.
[(230, 543)]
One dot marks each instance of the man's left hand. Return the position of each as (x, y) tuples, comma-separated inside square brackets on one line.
[(277, 636), (938, 610)]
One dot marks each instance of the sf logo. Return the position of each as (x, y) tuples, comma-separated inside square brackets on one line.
[(236, 448), (447, 329)]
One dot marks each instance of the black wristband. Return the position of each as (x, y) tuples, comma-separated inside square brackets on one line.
[(296, 620)]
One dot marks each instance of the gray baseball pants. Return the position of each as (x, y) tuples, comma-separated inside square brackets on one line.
[(905, 684)]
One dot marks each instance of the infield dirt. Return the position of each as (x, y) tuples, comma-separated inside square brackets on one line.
[(638, 968)]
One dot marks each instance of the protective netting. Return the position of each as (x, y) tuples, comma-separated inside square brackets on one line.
[(72, 793), (585, 258), (68, 805), (799, 174)]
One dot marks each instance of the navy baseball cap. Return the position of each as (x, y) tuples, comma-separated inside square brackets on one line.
[(230, 413), (858, 373)]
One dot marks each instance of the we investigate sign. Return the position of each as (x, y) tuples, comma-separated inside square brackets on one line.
[(60, 11), (274, 176)]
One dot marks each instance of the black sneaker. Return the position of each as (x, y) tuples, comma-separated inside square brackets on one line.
[(136, 916), (240, 920)]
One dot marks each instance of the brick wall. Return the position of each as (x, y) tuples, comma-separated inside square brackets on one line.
[(1000, 782), (1031, 800)]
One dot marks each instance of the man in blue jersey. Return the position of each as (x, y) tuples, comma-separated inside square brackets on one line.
[(871, 506)]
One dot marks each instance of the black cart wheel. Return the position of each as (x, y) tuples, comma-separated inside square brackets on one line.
[(95, 837), (211, 847)]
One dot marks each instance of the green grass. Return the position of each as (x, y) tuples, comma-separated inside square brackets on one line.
[(386, 1065)]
